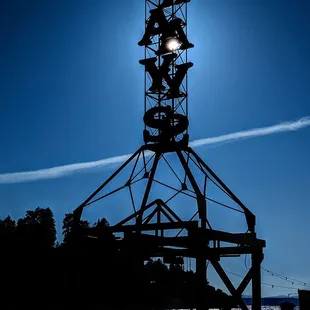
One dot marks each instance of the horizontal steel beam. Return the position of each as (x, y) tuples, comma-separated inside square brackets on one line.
[(214, 252), (248, 239), (197, 238), (157, 246), (156, 226)]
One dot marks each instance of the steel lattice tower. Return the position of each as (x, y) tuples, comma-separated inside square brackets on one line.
[(154, 216)]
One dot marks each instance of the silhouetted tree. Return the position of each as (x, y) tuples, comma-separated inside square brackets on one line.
[(36, 266), (103, 223), (107, 239), (67, 225), (7, 230), (26, 248), (7, 226), (37, 229)]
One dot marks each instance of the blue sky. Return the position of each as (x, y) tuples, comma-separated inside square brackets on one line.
[(71, 90)]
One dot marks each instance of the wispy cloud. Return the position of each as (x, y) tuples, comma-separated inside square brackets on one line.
[(61, 171), (255, 132)]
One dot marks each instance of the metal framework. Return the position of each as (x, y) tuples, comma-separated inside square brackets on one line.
[(165, 71), (169, 216)]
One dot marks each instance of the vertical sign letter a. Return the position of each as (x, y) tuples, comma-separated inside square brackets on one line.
[(157, 17)]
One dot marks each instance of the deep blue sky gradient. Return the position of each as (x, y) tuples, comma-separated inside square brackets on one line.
[(71, 90)]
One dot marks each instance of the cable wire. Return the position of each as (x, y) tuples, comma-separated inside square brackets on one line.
[(285, 278), (281, 276), (264, 283)]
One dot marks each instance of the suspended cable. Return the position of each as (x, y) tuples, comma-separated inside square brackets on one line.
[(285, 278), (264, 283), (281, 276)]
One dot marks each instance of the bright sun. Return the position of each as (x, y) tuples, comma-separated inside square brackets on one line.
[(173, 44)]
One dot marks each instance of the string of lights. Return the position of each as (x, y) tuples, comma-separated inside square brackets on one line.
[(281, 276), (285, 278), (264, 283), (275, 274)]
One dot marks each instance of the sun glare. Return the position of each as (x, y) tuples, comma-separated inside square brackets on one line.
[(173, 44)]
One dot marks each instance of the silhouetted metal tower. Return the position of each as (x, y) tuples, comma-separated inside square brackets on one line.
[(166, 122)]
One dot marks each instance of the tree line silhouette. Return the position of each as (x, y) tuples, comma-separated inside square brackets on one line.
[(87, 272)]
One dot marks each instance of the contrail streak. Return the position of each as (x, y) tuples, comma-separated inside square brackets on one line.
[(61, 171)]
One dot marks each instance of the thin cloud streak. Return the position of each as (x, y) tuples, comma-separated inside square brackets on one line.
[(255, 132), (62, 171)]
